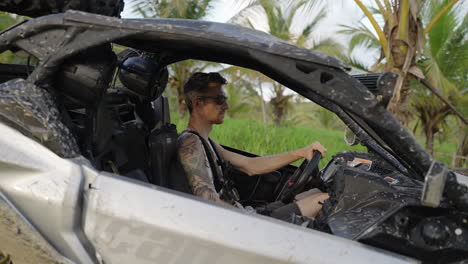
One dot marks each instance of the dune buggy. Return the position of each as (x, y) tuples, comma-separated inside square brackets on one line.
[(86, 165)]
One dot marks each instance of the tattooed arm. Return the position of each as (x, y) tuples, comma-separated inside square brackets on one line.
[(193, 158)]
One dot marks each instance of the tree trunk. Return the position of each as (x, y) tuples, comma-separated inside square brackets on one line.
[(405, 35), (278, 112), (463, 149), (430, 139), (181, 72), (182, 107), (280, 104)]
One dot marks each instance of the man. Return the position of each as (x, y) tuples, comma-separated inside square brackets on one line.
[(207, 105)]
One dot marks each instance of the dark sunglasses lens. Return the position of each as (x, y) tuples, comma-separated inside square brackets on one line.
[(221, 100)]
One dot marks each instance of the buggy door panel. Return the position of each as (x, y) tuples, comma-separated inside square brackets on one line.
[(133, 222), (46, 191)]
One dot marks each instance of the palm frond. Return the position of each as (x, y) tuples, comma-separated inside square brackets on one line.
[(308, 29), (375, 11), (292, 10), (356, 64), (236, 72), (360, 36), (446, 53), (311, 5), (328, 46), (453, 57), (241, 14), (189, 9), (364, 40), (247, 15), (439, 33), (142, 8)]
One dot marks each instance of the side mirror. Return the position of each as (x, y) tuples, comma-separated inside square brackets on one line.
[(350, 138)]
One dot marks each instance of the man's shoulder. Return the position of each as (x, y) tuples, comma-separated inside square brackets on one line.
[(187, 138)]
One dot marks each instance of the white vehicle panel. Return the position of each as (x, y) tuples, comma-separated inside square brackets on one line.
[(125, 221), (47, 190), (131, 222)]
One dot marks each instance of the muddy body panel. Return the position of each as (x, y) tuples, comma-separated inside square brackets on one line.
[(33, 111), (372, 203), (47, 191)]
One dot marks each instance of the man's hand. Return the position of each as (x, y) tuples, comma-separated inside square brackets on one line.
[(308, 151)]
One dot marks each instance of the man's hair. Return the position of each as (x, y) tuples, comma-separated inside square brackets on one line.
[(198, 83)]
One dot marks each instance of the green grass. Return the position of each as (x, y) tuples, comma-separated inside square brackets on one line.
[(255, 137)]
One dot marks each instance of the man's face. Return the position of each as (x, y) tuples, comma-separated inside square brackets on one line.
[(212, 104)]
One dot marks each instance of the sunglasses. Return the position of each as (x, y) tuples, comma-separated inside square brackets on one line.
[(219, 100)]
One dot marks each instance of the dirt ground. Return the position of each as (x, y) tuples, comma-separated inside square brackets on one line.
[(21, 242)]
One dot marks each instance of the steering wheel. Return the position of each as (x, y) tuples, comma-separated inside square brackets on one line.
[(303, 175)]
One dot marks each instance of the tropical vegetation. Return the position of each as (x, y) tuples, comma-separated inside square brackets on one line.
[(279, 18), (425, 43), (443, 61)]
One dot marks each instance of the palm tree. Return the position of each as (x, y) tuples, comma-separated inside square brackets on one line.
[(244, 100), (443, 61), (279, 20), (251, 96), (280, 103), (401, 39), (187, 9)]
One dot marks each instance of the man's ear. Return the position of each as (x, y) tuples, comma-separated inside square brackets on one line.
[(195, 102)]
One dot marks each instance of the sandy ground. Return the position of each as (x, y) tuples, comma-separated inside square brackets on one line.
[(21, 242)]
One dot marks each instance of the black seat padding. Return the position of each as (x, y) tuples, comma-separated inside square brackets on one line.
[(177, 178), (162, 145), (166, 170)]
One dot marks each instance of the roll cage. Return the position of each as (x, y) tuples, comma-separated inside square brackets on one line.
[(55, 38)]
